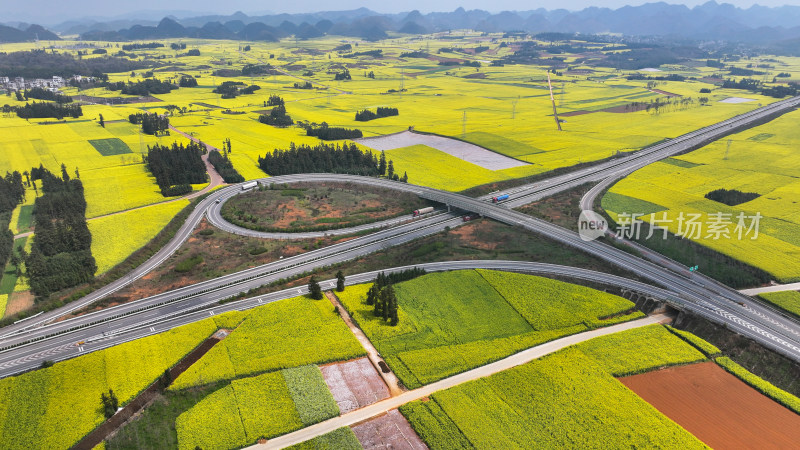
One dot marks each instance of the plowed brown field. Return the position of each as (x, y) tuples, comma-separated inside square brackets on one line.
[(717, 407)]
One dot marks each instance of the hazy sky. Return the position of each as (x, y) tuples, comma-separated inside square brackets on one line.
[(52, 11)]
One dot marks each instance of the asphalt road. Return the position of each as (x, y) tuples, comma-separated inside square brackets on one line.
[(710, 299), (123, 323)]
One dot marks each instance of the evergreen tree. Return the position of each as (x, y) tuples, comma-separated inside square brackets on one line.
[(314, 290), (382, 164), (390, 170), (102, 122), (371, 295), (339, 281)]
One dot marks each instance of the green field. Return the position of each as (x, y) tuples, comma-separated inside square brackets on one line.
[(56, 406), (569, 399), (254, 408), (110, 146), (453, 321), (285, 334), (788, 300)]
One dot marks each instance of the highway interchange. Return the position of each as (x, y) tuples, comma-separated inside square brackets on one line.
[(25, 345)]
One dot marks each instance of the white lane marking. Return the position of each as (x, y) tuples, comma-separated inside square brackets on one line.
[(152, 329), (211, 313)]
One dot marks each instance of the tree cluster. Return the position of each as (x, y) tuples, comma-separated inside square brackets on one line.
[(250, 70), (343, 75), (152, 124), (230, 89), (146, 87), (381, 295), (731, 197), (327, 133), (373, 53), (224, 167), (45, 94), (304, 85), (187, 81), (275, 100), (745, 83), (176, 166), (780, 91), (138, 46), (327, 158), (177, 46), (39, 110), (277, 117), (367, 115), (61, 255), (42, 64)]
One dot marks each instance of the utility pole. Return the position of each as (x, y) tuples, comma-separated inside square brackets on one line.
[(553, 101)]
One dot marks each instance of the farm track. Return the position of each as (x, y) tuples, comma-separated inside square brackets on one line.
[(26, 343)]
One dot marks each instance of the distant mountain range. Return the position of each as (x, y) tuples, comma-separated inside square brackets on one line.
[(709, 21)]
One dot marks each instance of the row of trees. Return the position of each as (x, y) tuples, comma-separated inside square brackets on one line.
[(40, 110), (61, 255), (367, 115), (223, 165), (151, 123), (327, 158), (12, 193), (144, 88), (381, 295), (327, 133), (46, 94), (176, 167), (138, 46)]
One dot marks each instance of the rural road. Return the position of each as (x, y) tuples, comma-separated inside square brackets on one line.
[(383, 406), (768, 289)]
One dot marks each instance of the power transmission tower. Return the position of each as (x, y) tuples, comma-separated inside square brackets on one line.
[(727, 150), (514, 107), (464, 126), (402, 80), (553, 101)]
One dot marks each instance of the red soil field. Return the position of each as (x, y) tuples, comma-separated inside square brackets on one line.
[(717, 407)]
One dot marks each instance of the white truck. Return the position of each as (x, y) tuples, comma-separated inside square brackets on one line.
[(249, 185)]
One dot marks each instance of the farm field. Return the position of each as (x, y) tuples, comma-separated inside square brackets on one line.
[(454, 321), (567, 399), (728, 164), (505, 109), (258, 407), (718, 408), (54, 407), (788, 300), (281, 335)]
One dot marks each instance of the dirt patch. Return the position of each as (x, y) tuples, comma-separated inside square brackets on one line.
[(390, 430), (469, 235), (354, 384), (478, 75), (316, 207), (717, 407), (668, 94), (18, 302), (462, 150)]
